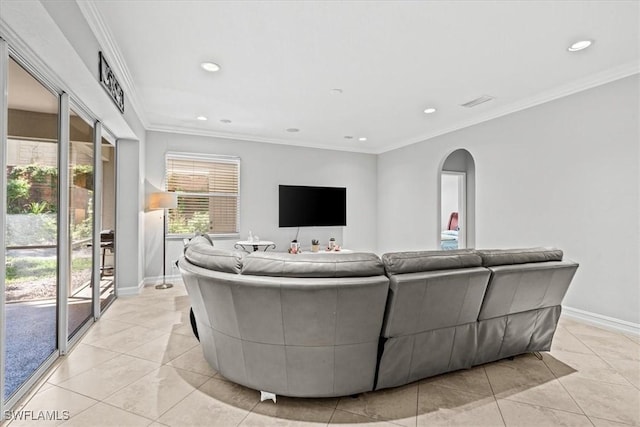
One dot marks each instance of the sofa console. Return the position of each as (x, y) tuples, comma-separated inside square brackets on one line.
[(326, 325)]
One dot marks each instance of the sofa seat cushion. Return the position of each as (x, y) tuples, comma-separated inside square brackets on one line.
[(199, 251), (493, 257), (414, 262), (312, 265)]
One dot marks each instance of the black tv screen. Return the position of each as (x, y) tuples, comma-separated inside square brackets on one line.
[(312, 206)]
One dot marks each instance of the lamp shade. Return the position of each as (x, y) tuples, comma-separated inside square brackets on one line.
[(163, 200)]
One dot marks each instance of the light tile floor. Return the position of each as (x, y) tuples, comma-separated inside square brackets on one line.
[(141, 366)]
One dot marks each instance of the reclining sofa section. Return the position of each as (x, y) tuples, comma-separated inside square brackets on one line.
[(449, 310), (338, 324), (431, 321), (522, 304)]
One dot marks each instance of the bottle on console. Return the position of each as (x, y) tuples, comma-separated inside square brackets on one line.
[(332, 243)]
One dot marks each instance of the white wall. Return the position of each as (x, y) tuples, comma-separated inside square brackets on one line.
[(129, 218), (263, 167), (564, 173)]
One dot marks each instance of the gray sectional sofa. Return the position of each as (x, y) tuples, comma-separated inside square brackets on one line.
[(321, 325)]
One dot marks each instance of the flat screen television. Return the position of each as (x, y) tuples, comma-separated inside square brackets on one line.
[(301, 206)]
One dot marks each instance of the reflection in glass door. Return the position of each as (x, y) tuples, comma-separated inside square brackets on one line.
[(81, 193), (108, 224), (31, 246)]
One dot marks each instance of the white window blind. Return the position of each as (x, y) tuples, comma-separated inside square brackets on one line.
[(208, 189)]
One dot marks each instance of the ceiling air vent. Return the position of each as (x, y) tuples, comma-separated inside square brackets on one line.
[(478, 101)]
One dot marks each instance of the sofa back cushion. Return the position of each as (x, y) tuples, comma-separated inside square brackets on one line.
[(493, 257), (414, 262), (429, 300), (312, 265), (200, 251), (525, 287), (524, 280)]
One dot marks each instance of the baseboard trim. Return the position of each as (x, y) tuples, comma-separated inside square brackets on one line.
[(601, 320), (156, 280), (130, 290)]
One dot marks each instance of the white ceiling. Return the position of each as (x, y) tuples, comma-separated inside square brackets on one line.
[(391, 59)]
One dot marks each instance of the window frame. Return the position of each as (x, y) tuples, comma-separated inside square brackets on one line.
[(211, 158)]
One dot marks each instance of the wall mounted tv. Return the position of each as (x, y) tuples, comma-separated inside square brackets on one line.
[(301, 206)]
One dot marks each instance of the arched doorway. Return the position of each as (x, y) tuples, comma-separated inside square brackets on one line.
[(457, 201)]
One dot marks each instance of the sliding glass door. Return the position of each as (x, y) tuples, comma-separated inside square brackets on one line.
[(57, 211), (32, 235)]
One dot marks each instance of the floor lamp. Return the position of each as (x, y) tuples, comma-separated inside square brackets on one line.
[(164, 201)]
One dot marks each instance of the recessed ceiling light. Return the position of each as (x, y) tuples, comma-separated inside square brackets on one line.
[(582, 44), (202, 118), (362, 138), (211, 67), (336, 91), (430, 110), (225, 121), (293, 130), (348, 137)]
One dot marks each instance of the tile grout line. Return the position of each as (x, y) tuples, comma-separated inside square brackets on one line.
[(177, 403), (160, 362), (606, 363), (118, 390), (546, 407), (108, 404), (456, 388), (417, 404), (44, 381), (125, 410), (249, 412), (83, 371), (373, 418), (630, 339), (495, 399), (84, 410), (567, 391)]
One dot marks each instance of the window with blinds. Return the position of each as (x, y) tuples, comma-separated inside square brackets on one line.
[(208, 189)]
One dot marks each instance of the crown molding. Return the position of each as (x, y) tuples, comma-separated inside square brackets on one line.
[(252, 138), (586, 83), (111, 51)]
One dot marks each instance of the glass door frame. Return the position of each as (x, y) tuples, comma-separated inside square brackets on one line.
[(4, 127)]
